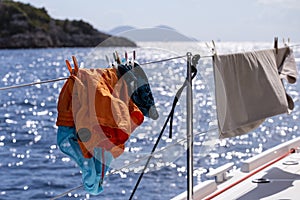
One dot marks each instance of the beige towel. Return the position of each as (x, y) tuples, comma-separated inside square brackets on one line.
[(249, 88)]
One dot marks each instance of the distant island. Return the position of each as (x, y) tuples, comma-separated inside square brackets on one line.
[(24, 26), (161, 33)]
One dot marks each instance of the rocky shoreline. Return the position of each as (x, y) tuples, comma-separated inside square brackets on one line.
[(24, 26)]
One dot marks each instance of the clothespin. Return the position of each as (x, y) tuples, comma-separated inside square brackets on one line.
[(126, 58), (133, 58), (107, 60), (212, 48), (286, 43), (195, 60), (76, 67), (276, 44), (134, 55), (110, 64), (116, 57)]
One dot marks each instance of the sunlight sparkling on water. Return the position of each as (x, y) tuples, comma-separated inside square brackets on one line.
[(29, 155)]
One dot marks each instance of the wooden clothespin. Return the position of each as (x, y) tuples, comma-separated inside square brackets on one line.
[(276, 44), (76, 67)]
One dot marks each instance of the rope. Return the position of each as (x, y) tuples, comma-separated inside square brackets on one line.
[(137, 161), (251, 174)]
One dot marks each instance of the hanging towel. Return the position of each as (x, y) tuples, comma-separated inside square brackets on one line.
[(249, 88), (139, 88), (93, 169)]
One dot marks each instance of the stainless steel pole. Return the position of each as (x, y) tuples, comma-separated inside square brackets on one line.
[(189, 123)]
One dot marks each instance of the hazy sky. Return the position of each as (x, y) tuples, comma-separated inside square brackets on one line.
[(227, 20)]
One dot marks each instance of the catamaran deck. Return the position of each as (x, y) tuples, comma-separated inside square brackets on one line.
[(278, 170)]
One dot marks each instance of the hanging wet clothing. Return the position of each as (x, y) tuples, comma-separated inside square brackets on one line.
[(103, 113), (249, 88), (64, 106), (93, 169), (139, 88), (95, 118)]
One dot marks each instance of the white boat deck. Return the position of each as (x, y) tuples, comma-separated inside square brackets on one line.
[(282, 178), (284, 182)]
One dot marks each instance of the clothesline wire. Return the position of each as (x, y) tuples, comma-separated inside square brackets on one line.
[(163, 60), (137, 161), (294, 45), (33, 83), (65, 78), (67, 192)]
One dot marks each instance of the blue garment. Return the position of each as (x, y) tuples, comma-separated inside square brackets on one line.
[(93, 169), (139, 88)]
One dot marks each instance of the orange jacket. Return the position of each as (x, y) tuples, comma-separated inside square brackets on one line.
[(96, 102)]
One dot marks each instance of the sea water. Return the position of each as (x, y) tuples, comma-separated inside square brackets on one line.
[(33, 167)]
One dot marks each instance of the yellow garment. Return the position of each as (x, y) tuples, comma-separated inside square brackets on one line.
[(103, 113)]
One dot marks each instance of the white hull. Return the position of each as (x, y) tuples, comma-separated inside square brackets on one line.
[(278, 168)]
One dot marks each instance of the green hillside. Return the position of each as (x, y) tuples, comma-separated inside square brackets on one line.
[(24, 26)]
